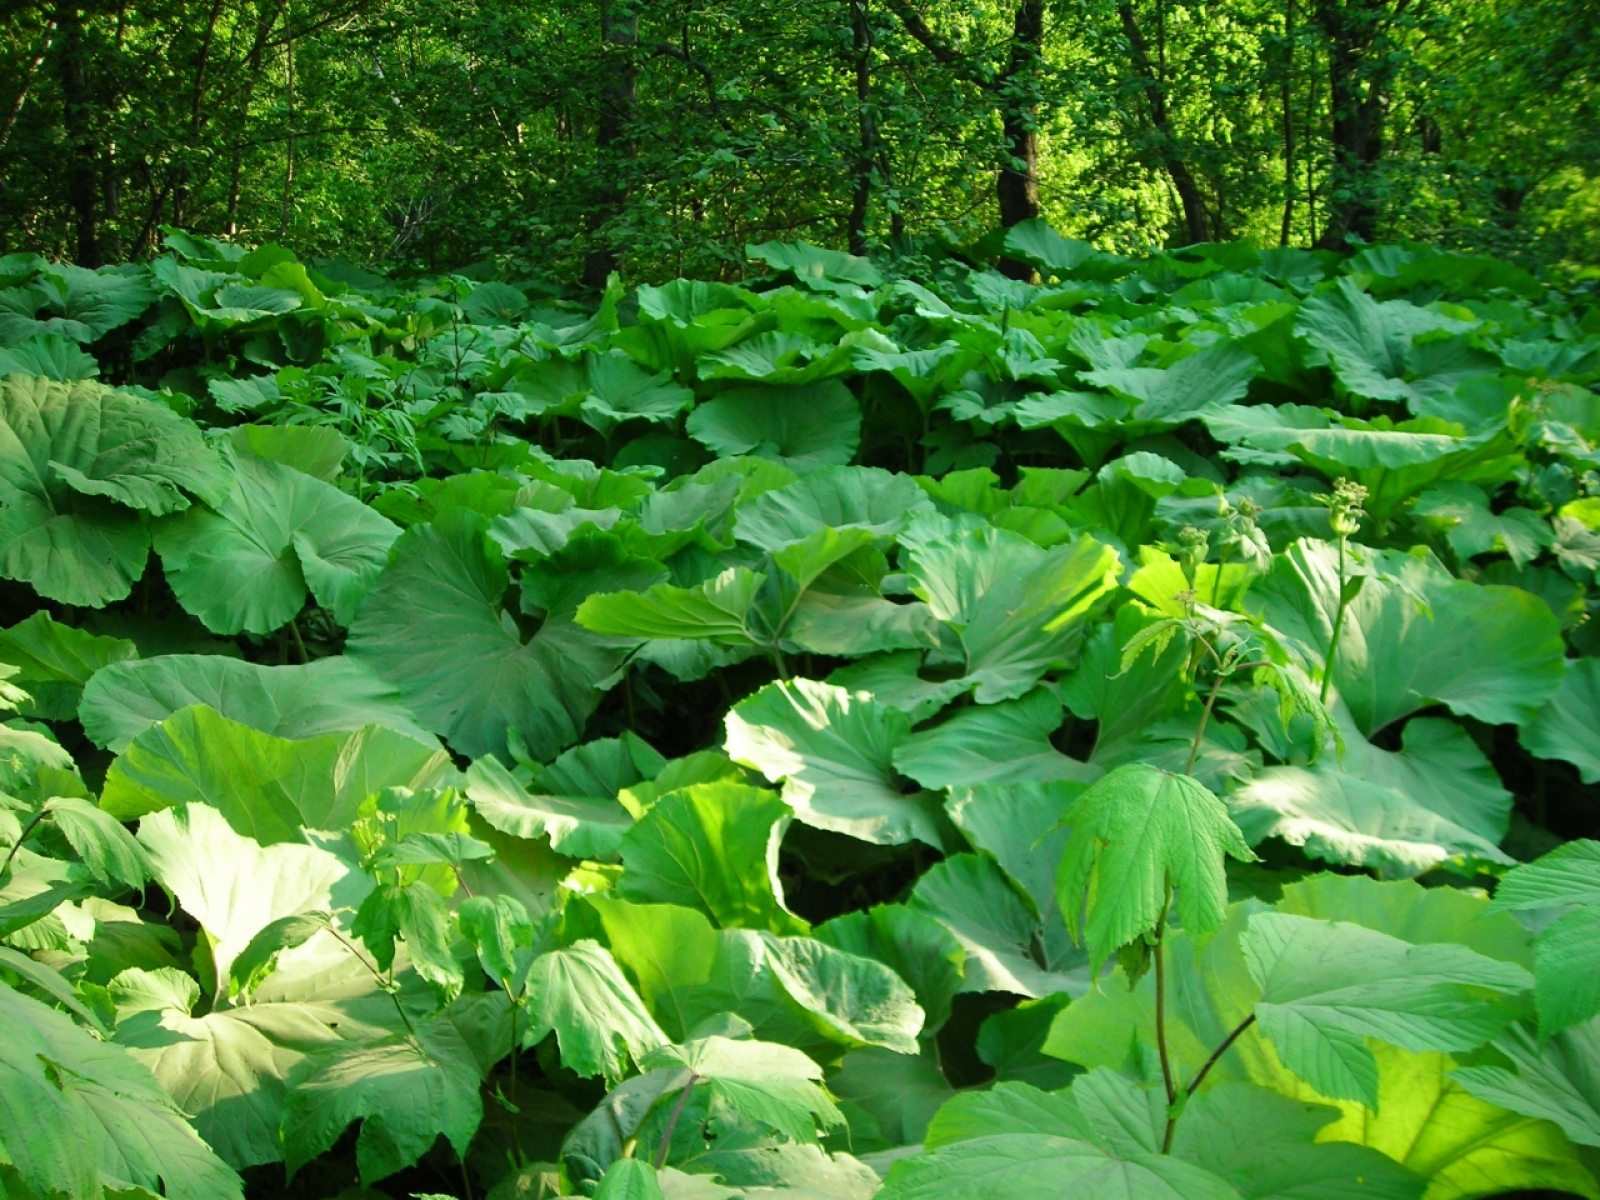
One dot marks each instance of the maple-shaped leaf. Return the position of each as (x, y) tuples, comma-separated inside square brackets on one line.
[(1138, 835)]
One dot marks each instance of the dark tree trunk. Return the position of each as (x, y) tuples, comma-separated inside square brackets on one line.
[(77, 115), (1018, 185), (861, 201), (1196, 226), (1360, 75), (619, 31), (1288, 124)]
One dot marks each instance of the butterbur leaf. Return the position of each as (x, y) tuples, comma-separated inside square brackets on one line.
[(55, 662), (78, 463), (598, 1019), (762, 1081), (1326, 986), (834, 752), (328, 695), (433, 625), (714, 611), (712, 847), (912, 945), (865, 498), (1138, 834), (247, 565), (581, 826), (804, 427), (1564, 728), (1019, 611)]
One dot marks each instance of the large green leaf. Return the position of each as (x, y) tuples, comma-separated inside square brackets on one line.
[(265, 786), (227, 1068), (77, 1113), (1564, 727), (434, 626), (803, 427), (912, 945), (55, 661), (1463, 1146), (618, 391), (834, 753), (711, 847), (247, 564), (1566, 957), (1007, 742), (330, 695), (1017, 610), (1137, 835), (1264, 1144), (1369, 343), (1326, 986), (235, 887), (835, 498), (1492, 653), (1556, 1080), (585, 826), (762, 1081), (1163, 397), (406, 1090), (1026, 1166), (77, 463), (1010, 946), (581, 995)]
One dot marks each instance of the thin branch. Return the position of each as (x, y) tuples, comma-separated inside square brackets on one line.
[(1220, 1051)]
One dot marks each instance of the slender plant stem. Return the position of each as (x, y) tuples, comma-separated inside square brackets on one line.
[(1333, 638), (21, 837), (376, 974), (299, 646), (1220, 1051), (672, 1122), (1205, 719), (1161, 1026), (1216, 584)]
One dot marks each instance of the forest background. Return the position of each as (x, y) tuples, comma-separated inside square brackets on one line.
[(567, 138)]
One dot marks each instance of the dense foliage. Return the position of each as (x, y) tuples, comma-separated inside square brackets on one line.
[(870, 731), (570, 137)]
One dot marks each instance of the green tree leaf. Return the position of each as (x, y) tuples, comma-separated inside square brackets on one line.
[(76, 1113), (581, 995), (1028, 1166), (406, 1090), (1326, 986), (1137, 835), (1546, 1078)]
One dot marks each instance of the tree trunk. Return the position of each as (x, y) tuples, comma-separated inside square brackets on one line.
[(619, 30), (1018, 185), (861, 45), (1196, 227), (1358, 91), (77, 114), (1288, 124)]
